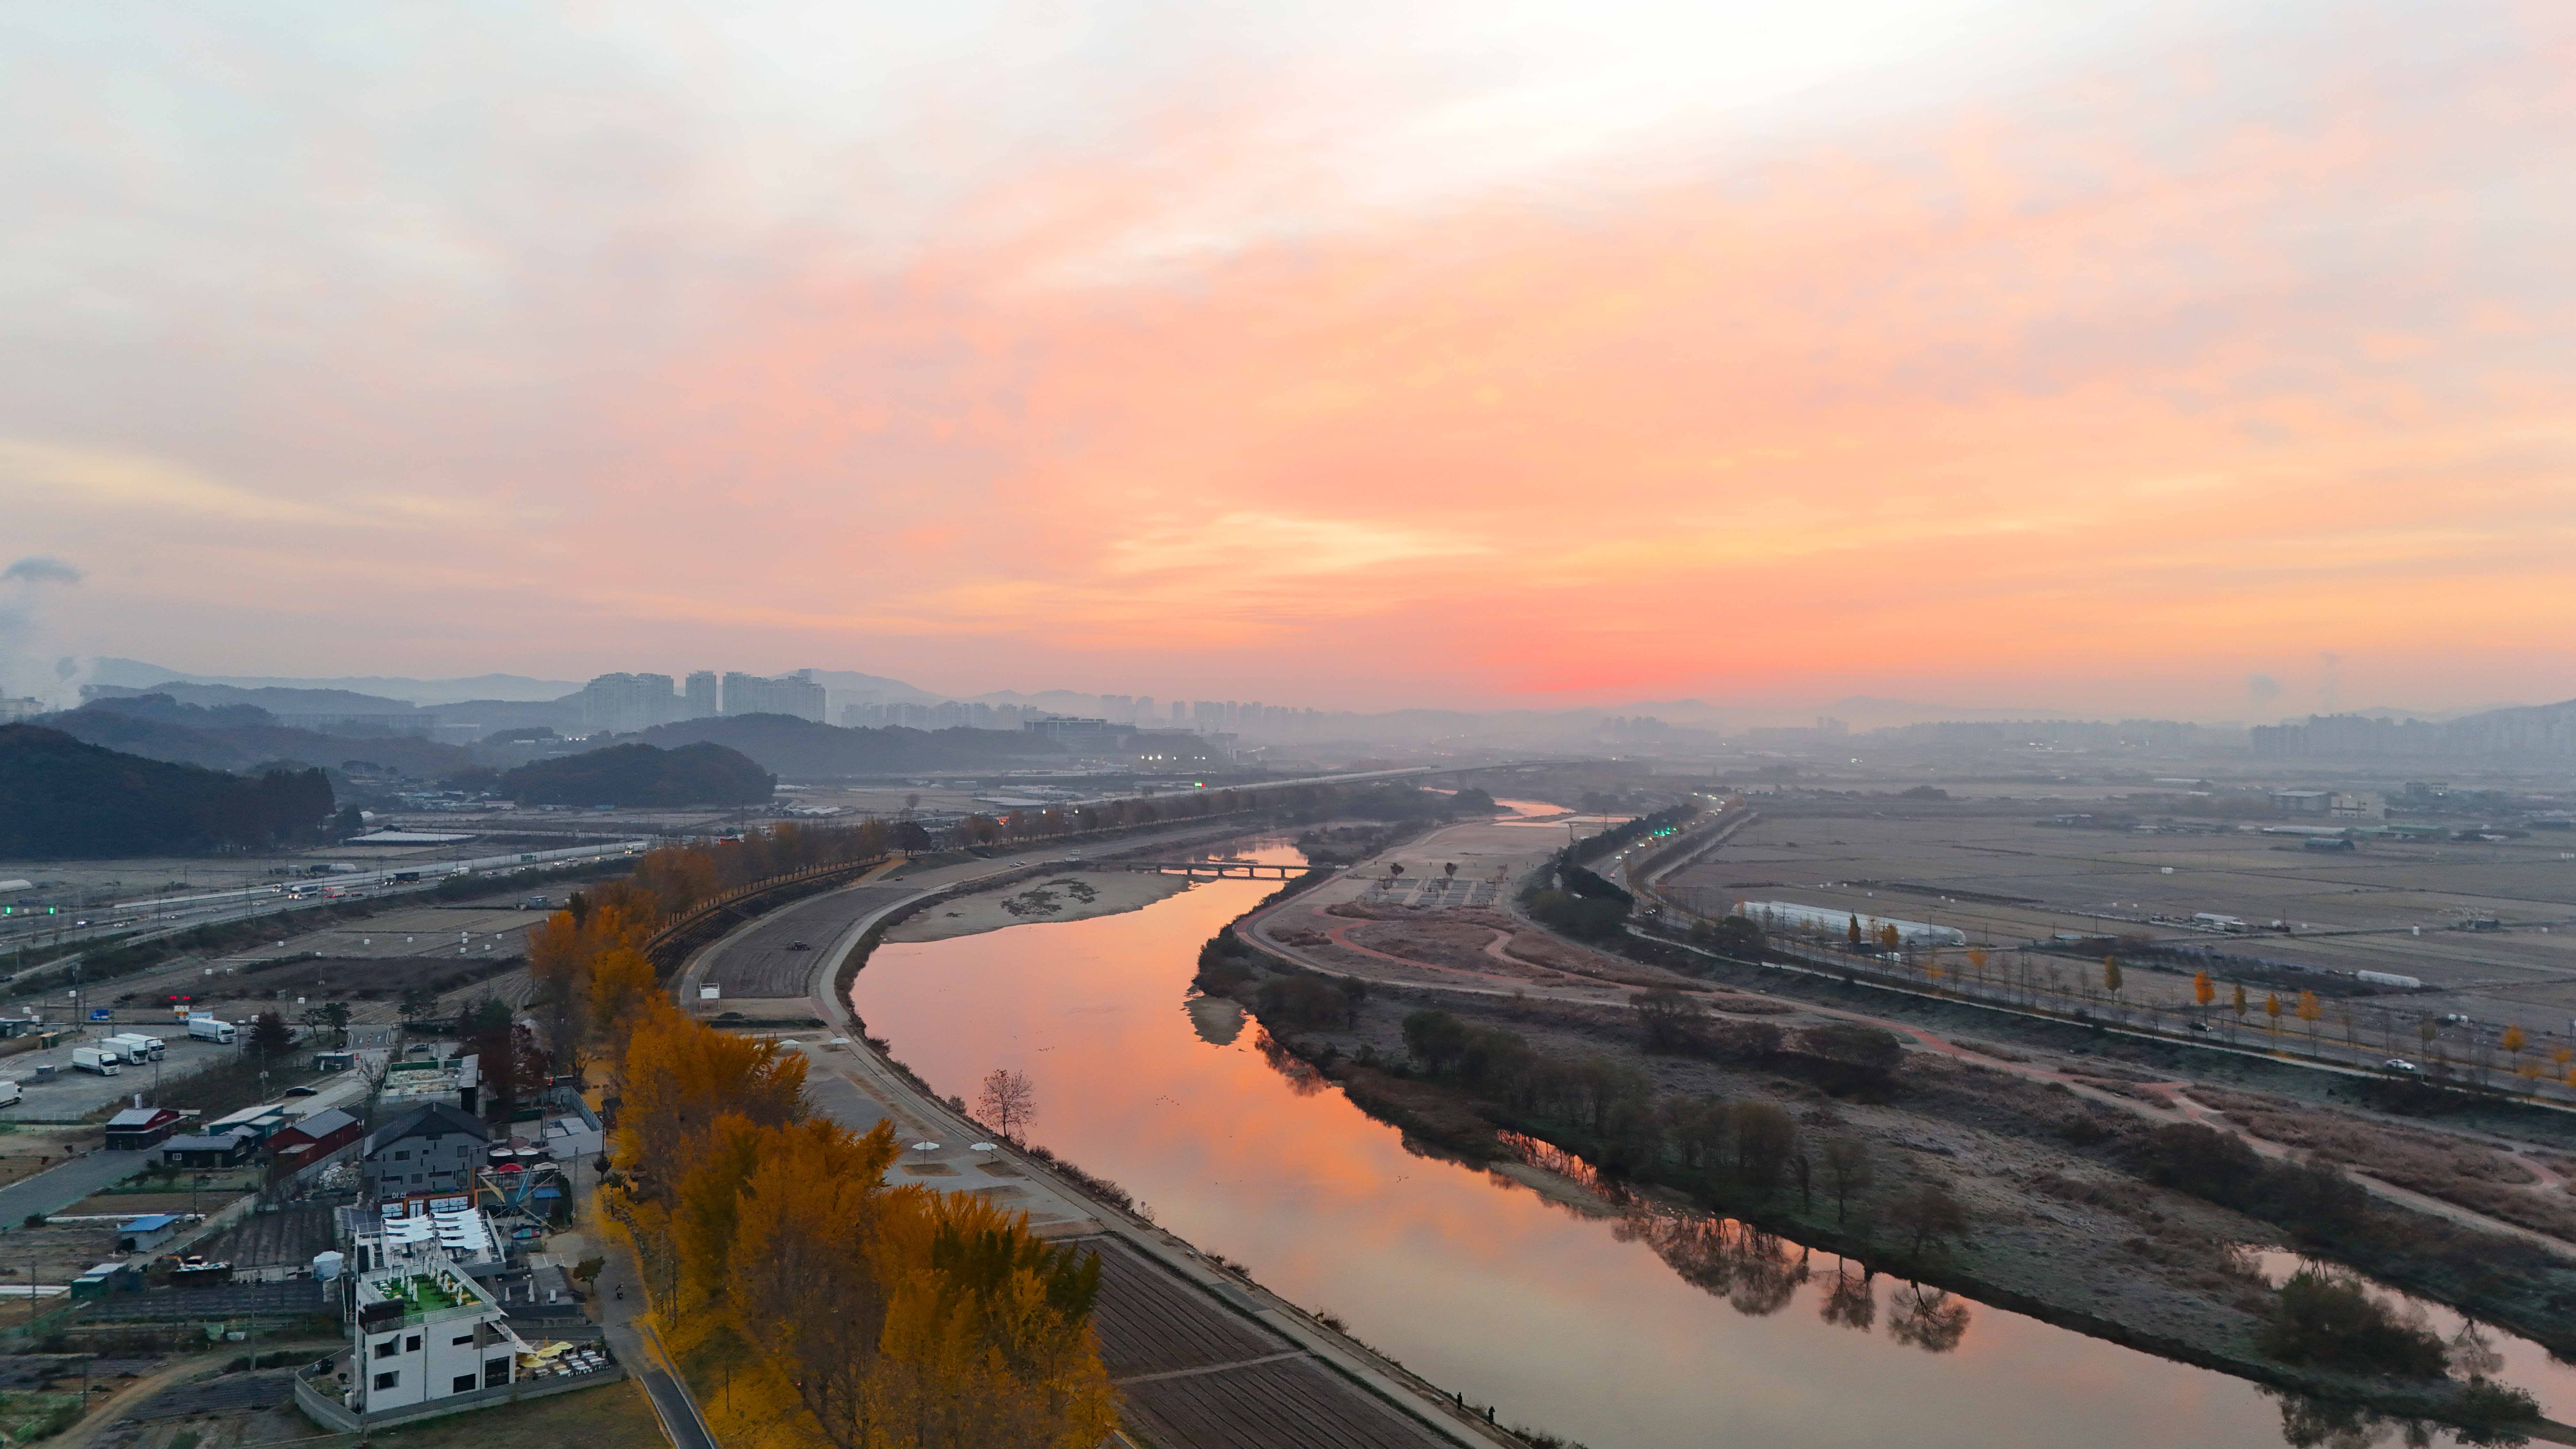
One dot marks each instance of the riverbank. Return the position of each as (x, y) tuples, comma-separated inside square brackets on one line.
[(2055, 1226), (1594, 1327), (1066, 897)]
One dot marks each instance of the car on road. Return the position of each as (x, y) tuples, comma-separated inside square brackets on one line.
[(299, 1092), (2199, 1025), (2400, 1064), (798, 946)]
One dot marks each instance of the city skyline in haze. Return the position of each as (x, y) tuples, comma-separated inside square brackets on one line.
[(2181, 361)]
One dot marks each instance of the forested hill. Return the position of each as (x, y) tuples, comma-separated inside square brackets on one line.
[(804, 750), (62, 798), (634, 774), (238, 737)]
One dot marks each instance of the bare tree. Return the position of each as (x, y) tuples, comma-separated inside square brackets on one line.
[(1928, 1215), (1009, 1101), (1849, 1302), (1847, 1170), (372, 1069)]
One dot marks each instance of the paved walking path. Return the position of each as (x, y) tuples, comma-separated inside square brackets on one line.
[(1205, 1360), (622, 1323)]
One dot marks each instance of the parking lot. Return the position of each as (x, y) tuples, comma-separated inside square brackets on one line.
[(70, 1094)]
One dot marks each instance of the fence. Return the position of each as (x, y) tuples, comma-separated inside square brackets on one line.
[(2036, 983)]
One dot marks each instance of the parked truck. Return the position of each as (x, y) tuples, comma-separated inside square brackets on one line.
[(92, 1059), (206, 1028), (137, 1047)]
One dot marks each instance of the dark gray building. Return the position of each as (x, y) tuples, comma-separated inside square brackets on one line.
[(435, 1147)]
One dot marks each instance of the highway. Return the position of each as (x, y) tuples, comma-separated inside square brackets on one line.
[(152, 918)]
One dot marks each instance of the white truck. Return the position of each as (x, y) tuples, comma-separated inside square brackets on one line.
[(91, 1059), (207, 1028), (137, 1047), (10, 1096)]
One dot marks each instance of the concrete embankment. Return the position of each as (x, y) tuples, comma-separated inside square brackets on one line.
[(1203, 1357)]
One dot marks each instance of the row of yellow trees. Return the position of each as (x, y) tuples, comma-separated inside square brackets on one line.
[(587, 962), (839, 1310)]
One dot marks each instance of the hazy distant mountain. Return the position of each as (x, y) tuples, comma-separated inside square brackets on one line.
[(489, 716), (230, 737), (801, 749), (843, 686), (1053, 701), (135, 674), (274, 699)]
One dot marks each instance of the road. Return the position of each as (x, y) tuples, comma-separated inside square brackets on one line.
[(2174, 1106), (67, 1182), (169, 915), (1206, 1360)]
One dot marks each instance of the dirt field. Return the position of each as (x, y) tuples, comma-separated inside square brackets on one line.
[(614, 1414), (30, 1150), (288, 1237), (1072, 897), (1995, 872), (775, 958)]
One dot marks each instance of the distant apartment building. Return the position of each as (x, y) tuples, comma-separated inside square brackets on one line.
[(2547, 730), (625, 703), (948, 714), (698, 699), (792, 694), (1082, 736)]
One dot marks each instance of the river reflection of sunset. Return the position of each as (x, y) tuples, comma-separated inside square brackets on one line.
[(1620, 1329)]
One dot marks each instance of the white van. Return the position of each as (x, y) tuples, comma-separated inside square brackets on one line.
[(10, 1096), (91, 1059)]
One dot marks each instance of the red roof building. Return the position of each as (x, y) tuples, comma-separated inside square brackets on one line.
[(301, 1144)]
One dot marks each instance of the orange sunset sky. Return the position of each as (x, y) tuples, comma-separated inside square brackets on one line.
[(2187, 359)]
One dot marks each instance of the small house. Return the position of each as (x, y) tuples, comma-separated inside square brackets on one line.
[(143, 1234), (209, 1149), (574, 1136), (105, 1278), (260, 1122), (138, 1129)]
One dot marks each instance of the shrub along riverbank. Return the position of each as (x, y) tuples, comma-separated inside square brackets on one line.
[(1831, 1135)]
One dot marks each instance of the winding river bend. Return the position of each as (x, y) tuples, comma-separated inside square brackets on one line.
[(1567, 1321)]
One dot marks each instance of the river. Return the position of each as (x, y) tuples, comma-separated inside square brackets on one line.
[(1566, 1321)]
